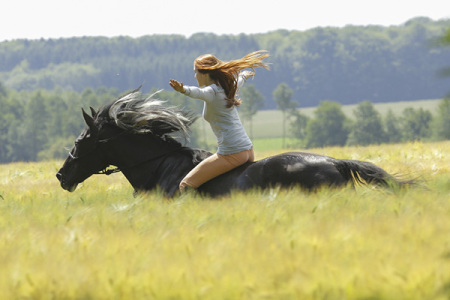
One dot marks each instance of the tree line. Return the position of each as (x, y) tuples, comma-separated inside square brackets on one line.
[(331, 127), (43, 124), (347, 65)]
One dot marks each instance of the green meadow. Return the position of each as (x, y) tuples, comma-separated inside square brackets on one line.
[(100, 242)]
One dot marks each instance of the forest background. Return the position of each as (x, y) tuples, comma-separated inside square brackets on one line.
[(44, 83)]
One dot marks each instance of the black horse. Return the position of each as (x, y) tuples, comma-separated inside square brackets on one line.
[(135, 134)]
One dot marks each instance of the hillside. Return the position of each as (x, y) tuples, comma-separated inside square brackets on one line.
[(347, 65)]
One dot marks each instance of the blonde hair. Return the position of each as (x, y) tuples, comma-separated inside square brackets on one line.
[(226, 73)]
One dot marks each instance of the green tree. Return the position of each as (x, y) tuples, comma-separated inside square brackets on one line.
[(5, 119), (10, 123), (328, 127), (392, 128), (283, 97), (441, 124), (445, 41), (298, 125), (368, 126), (446, 37), (416, 124), (3, 91), (57, 149), (55, 107), (15, 147), (252, 101), (34, 137)]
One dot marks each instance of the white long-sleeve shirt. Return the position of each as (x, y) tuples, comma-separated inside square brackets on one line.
[(225, 122)]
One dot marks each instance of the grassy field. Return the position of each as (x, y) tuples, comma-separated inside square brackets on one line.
[(102, 243)]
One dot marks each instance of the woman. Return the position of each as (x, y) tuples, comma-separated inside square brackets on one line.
[(218, 83)]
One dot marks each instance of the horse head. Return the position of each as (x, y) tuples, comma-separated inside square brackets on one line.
[(85, 158)]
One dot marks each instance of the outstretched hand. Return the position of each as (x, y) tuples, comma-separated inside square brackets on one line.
[(177, 86), (248, 74)]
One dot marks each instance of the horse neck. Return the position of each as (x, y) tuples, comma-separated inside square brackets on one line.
[(133, 149), (147, 161)]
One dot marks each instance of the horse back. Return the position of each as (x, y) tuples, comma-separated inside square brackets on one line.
[(303, 169)]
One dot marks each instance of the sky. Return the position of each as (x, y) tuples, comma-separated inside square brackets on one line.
[(35, 19)]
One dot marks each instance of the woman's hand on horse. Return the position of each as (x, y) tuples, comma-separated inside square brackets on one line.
[(177, 86)]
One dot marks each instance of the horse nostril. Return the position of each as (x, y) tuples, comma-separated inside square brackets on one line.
[(59, 176)]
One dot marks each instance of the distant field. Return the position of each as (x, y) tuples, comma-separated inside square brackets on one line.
[(268, 123), (102, 243)]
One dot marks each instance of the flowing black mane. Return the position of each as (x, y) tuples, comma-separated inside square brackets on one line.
[(143, 115)]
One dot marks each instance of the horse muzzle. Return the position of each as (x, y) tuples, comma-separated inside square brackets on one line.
[(64, 184)]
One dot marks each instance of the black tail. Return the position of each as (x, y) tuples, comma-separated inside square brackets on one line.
[(367, 173)]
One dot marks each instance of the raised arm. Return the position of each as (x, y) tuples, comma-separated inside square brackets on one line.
[(204, 93)]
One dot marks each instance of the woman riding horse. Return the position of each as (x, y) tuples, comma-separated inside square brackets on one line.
[(218, 84)]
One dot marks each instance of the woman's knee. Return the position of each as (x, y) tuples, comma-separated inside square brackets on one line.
[(185, 184)]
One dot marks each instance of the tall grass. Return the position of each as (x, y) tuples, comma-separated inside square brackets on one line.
[(102, 243)]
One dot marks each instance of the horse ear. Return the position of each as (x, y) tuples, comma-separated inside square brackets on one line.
[(90, 123), (93, 112)]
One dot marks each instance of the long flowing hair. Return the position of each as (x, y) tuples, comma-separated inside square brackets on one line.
[(226, 73)]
